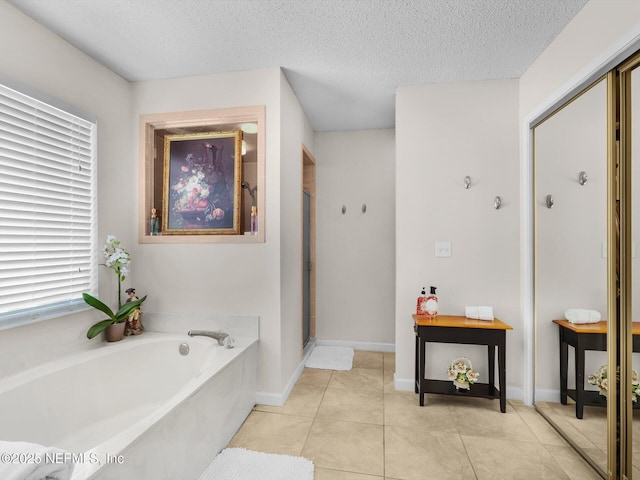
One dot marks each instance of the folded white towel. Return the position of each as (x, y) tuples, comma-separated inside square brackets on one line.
[(30, 461), (471, 312), (582, 315), (479, 313), (485, 313)]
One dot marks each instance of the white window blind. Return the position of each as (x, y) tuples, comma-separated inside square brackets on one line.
[(47, 208)]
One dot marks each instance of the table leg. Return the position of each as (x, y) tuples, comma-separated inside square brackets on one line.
[(421, 381), (492, 367), (417, 357), (564, 366), (579, 350), (502, 371)]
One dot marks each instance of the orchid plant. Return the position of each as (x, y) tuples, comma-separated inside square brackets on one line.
[(118, 260)]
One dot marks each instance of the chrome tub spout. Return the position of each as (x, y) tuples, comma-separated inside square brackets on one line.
[(219, 336)]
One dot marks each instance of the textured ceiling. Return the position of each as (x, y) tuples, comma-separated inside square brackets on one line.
[(343, 58)]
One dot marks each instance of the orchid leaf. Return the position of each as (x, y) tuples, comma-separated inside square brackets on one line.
[(127, 308), (98, 305)]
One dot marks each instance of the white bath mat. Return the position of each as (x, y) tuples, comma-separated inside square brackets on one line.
[(241, 464), (330, 358)]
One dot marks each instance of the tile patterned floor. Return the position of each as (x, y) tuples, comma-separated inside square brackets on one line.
[(355, 426), (590, 432)]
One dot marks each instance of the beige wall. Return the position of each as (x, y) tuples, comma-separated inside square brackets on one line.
[(583, 44), (355, 252), (37, 58), (295, 131), (443, 133), (220, 278)]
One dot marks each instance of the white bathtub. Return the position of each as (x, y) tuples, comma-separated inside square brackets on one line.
[(135, 409)]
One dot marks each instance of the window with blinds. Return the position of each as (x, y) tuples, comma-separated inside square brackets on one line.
[(47, 209)]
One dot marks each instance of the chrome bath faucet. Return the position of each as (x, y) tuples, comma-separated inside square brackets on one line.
[(218, 335)]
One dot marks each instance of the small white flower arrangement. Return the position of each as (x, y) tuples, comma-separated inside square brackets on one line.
[(601, 380), (461, 373), (117, 259)]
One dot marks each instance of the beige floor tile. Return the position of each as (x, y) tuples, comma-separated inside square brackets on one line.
[(389, 361), (544, 432), (598, 456), (388, 385), (366, 359), (389, 371), (325, 474), (402, 409), (595, 429), (413, 453), (564, 425), (526, 460), (314, 376), (354, 425), (363, 406), (273, 433), (358, 379), (572, 463), (483, 418), (304, 401), (352, 447)]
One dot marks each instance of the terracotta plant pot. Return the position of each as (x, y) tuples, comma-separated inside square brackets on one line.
[(115, 332)]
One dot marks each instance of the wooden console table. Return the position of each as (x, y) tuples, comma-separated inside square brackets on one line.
[(458, 329), (582, 337)]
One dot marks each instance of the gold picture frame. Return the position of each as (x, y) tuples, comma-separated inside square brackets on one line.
[(202, 183)]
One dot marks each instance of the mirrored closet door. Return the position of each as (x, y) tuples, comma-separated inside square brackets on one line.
[(586, 225), (570, 155)]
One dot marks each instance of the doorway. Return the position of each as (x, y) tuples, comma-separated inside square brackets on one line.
[(306, 267), (308, 247)]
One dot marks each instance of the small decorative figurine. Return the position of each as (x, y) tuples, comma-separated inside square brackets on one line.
[(133, 324), (153, 223)]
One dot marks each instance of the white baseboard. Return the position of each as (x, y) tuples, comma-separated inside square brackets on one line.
[(369, 346), (279, 399), (272, 399), (547, 395), (404, 384)]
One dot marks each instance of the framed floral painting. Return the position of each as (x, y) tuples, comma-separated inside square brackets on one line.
[(202, 183)]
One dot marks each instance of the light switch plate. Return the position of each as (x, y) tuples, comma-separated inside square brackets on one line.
[(443, 249)]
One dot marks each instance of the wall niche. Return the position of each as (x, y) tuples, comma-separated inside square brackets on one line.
[(159, 130)]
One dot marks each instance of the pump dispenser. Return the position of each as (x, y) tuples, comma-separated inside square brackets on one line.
[(422, 303), (430, 305)]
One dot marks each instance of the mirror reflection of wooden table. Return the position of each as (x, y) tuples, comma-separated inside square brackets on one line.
[(582, 337), (459, 329)]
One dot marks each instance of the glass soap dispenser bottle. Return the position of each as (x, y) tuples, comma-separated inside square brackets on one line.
[(422, 303), (431, 303)]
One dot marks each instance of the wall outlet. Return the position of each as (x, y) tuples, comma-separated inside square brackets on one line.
[(443, 249)]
